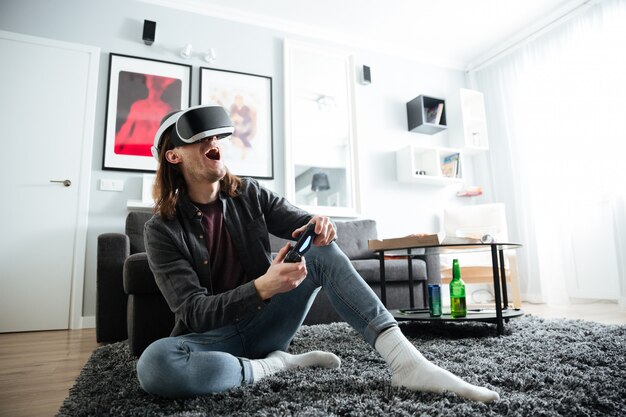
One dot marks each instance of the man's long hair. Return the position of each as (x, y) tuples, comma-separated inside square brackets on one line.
[(170, 181)]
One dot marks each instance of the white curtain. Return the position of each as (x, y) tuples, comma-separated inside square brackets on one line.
[(557, 135)]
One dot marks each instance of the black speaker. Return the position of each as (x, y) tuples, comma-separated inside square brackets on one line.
[(149, 30), (367, 75)]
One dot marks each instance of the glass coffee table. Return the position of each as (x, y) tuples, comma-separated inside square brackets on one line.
[(498, 314)]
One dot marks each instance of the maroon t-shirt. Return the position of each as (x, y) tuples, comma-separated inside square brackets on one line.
[(226, 270)]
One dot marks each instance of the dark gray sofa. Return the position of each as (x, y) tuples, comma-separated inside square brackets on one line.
[(130, 306)]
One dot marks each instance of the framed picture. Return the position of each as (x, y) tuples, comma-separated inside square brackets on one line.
[(141, 92), (247, 98)]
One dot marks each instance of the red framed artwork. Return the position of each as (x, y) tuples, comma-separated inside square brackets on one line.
[(141, 92)]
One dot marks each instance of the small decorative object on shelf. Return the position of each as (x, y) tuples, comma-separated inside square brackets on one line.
[(433, 114), (426, 114), (470, 192), (451, 166)]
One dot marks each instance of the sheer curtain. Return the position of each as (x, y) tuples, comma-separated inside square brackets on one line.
[(557, 131)]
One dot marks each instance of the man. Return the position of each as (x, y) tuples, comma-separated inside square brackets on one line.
[(237, 309)]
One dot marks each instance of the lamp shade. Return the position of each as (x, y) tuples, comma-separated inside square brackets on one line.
[(320, 182)]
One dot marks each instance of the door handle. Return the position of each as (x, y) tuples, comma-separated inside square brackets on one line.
[(66, 183)]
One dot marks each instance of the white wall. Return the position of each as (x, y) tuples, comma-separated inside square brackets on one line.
[(401, 208), (116, 26)]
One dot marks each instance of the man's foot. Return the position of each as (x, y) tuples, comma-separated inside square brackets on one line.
[(426, 376), (412, 370), (313, 359), (278, 361)]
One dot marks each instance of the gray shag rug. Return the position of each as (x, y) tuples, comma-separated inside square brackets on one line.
[(539, 368)]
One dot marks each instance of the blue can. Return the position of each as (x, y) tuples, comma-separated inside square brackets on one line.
[(434, 300)]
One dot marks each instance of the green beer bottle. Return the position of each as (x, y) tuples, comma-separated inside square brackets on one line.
[(458, 308)]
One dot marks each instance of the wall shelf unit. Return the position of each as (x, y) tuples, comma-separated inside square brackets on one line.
[(432, 166), (146, 203), (426, 115), (475, 138)]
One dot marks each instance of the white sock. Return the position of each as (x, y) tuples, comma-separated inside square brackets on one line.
[(278, 361), (412, 370)]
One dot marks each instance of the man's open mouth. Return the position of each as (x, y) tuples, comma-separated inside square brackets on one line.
[(213, 153)]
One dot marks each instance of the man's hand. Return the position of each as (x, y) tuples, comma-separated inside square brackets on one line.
[(324, 229), (280, 277)]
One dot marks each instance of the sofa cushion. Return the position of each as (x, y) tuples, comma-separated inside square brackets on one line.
[(134, 229), (352, 237), (395, 270), (276, 243)]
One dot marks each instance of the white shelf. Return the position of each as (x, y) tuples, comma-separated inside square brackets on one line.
[(412, 159), (475, 137), (146, 203), (139, 205)]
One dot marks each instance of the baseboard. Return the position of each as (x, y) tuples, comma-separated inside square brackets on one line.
[(534, 298), (87, 322), (622, 302)]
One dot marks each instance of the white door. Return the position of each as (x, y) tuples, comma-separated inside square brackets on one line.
[(47, 106)]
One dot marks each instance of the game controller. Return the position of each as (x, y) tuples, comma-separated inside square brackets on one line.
[(304, 243)]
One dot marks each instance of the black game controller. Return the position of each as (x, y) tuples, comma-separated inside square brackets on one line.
[(305, 241)]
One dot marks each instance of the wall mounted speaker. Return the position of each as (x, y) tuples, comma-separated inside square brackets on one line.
[(367, 75), (149, 30)]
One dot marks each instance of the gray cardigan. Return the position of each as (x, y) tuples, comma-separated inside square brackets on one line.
[(179, 259)]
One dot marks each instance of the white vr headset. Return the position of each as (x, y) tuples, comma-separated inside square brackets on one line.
[(194, 124)]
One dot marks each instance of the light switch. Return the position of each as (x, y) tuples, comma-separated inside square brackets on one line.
[(111, 185)]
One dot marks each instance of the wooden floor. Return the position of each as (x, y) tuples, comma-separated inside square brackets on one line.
[(599, 311), (38, 368)]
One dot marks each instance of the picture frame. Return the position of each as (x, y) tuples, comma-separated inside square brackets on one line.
[(247, 98), (141, 91)]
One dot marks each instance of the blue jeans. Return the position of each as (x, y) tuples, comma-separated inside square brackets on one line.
[(217, 360)]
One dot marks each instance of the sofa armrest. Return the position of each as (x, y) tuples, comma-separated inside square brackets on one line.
[(112, 251), (149, 316), (138, 277)]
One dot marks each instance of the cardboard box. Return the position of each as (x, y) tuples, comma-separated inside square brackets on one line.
[(411, 241)]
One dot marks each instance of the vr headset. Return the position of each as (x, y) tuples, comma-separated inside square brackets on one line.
[(194, 124)]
